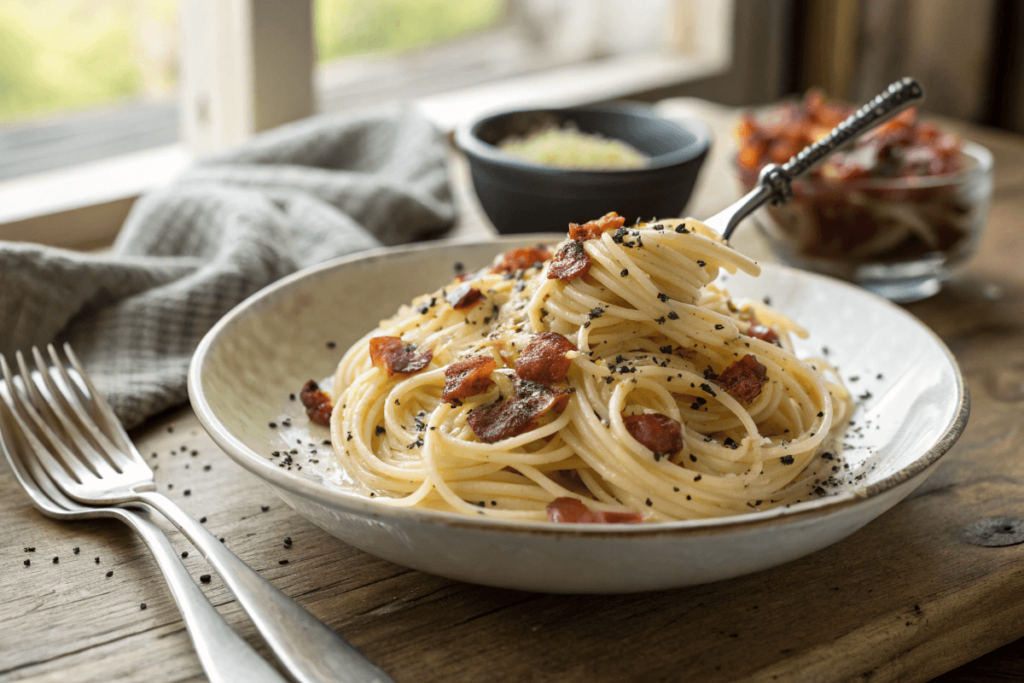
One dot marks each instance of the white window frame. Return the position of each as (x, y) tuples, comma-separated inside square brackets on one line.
[(248, 65)]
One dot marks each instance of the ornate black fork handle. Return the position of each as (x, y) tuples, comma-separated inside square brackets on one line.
[(775, 184)]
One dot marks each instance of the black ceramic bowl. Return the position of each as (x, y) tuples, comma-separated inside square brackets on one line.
[(520, 196)]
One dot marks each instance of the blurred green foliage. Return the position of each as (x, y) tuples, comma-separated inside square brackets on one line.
[(70, 54), (57, 54), (349, 27)]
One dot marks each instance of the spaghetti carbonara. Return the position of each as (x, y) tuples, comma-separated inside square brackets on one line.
[(604, 379)]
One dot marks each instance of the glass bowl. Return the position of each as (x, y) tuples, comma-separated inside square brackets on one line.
[(897, 237)]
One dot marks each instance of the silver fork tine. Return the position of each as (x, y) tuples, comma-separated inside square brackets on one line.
[(77, 384), (114, 426), (305, 646), (72, 398), (70, 417), (52, 408), (225, 656), (16, 406), (22, 469)]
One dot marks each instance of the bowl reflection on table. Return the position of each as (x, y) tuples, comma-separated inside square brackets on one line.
[(898, 237), (521, 196)]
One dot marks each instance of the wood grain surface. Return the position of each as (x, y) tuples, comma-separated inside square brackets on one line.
[(904, 599)]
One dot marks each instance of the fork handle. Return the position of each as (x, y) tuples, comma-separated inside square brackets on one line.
[(775, 182), (310, 651), (226, 657), (886, 104)]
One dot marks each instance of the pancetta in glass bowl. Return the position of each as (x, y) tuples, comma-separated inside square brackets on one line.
[(897, 214)]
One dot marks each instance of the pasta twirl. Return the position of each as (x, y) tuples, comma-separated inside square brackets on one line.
[(612, 373)]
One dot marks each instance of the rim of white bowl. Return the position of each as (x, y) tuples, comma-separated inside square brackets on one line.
[(362, 506)]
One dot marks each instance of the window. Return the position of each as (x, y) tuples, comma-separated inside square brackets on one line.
[(84, 79), (202, 76), (350, 27), (491, 41)]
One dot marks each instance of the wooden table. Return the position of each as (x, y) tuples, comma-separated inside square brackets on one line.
[(901, 600)]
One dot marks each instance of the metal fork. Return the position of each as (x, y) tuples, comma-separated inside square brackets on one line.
[(94, 462), (225, 656), (775, 182)]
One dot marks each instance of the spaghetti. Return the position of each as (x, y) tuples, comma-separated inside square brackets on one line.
[(609, 381)]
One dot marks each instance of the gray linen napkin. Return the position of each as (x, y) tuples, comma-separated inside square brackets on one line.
[(295, 196)]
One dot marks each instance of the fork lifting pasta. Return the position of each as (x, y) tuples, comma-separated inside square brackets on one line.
[(604, 380)]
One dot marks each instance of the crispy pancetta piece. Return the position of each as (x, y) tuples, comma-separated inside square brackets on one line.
[(543, 360), (573, 511), (518, 413), (743, 379), (467, 378), (395, 357), (571, 480), (762, 332), (317, 403), (592, 230), (464, 296), (658, 432), (570, 262), (521, 259)]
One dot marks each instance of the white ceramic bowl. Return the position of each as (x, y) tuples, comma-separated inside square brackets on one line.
[(268, 346)]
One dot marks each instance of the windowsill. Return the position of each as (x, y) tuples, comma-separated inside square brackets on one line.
[(96, 197), (570, 86)]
